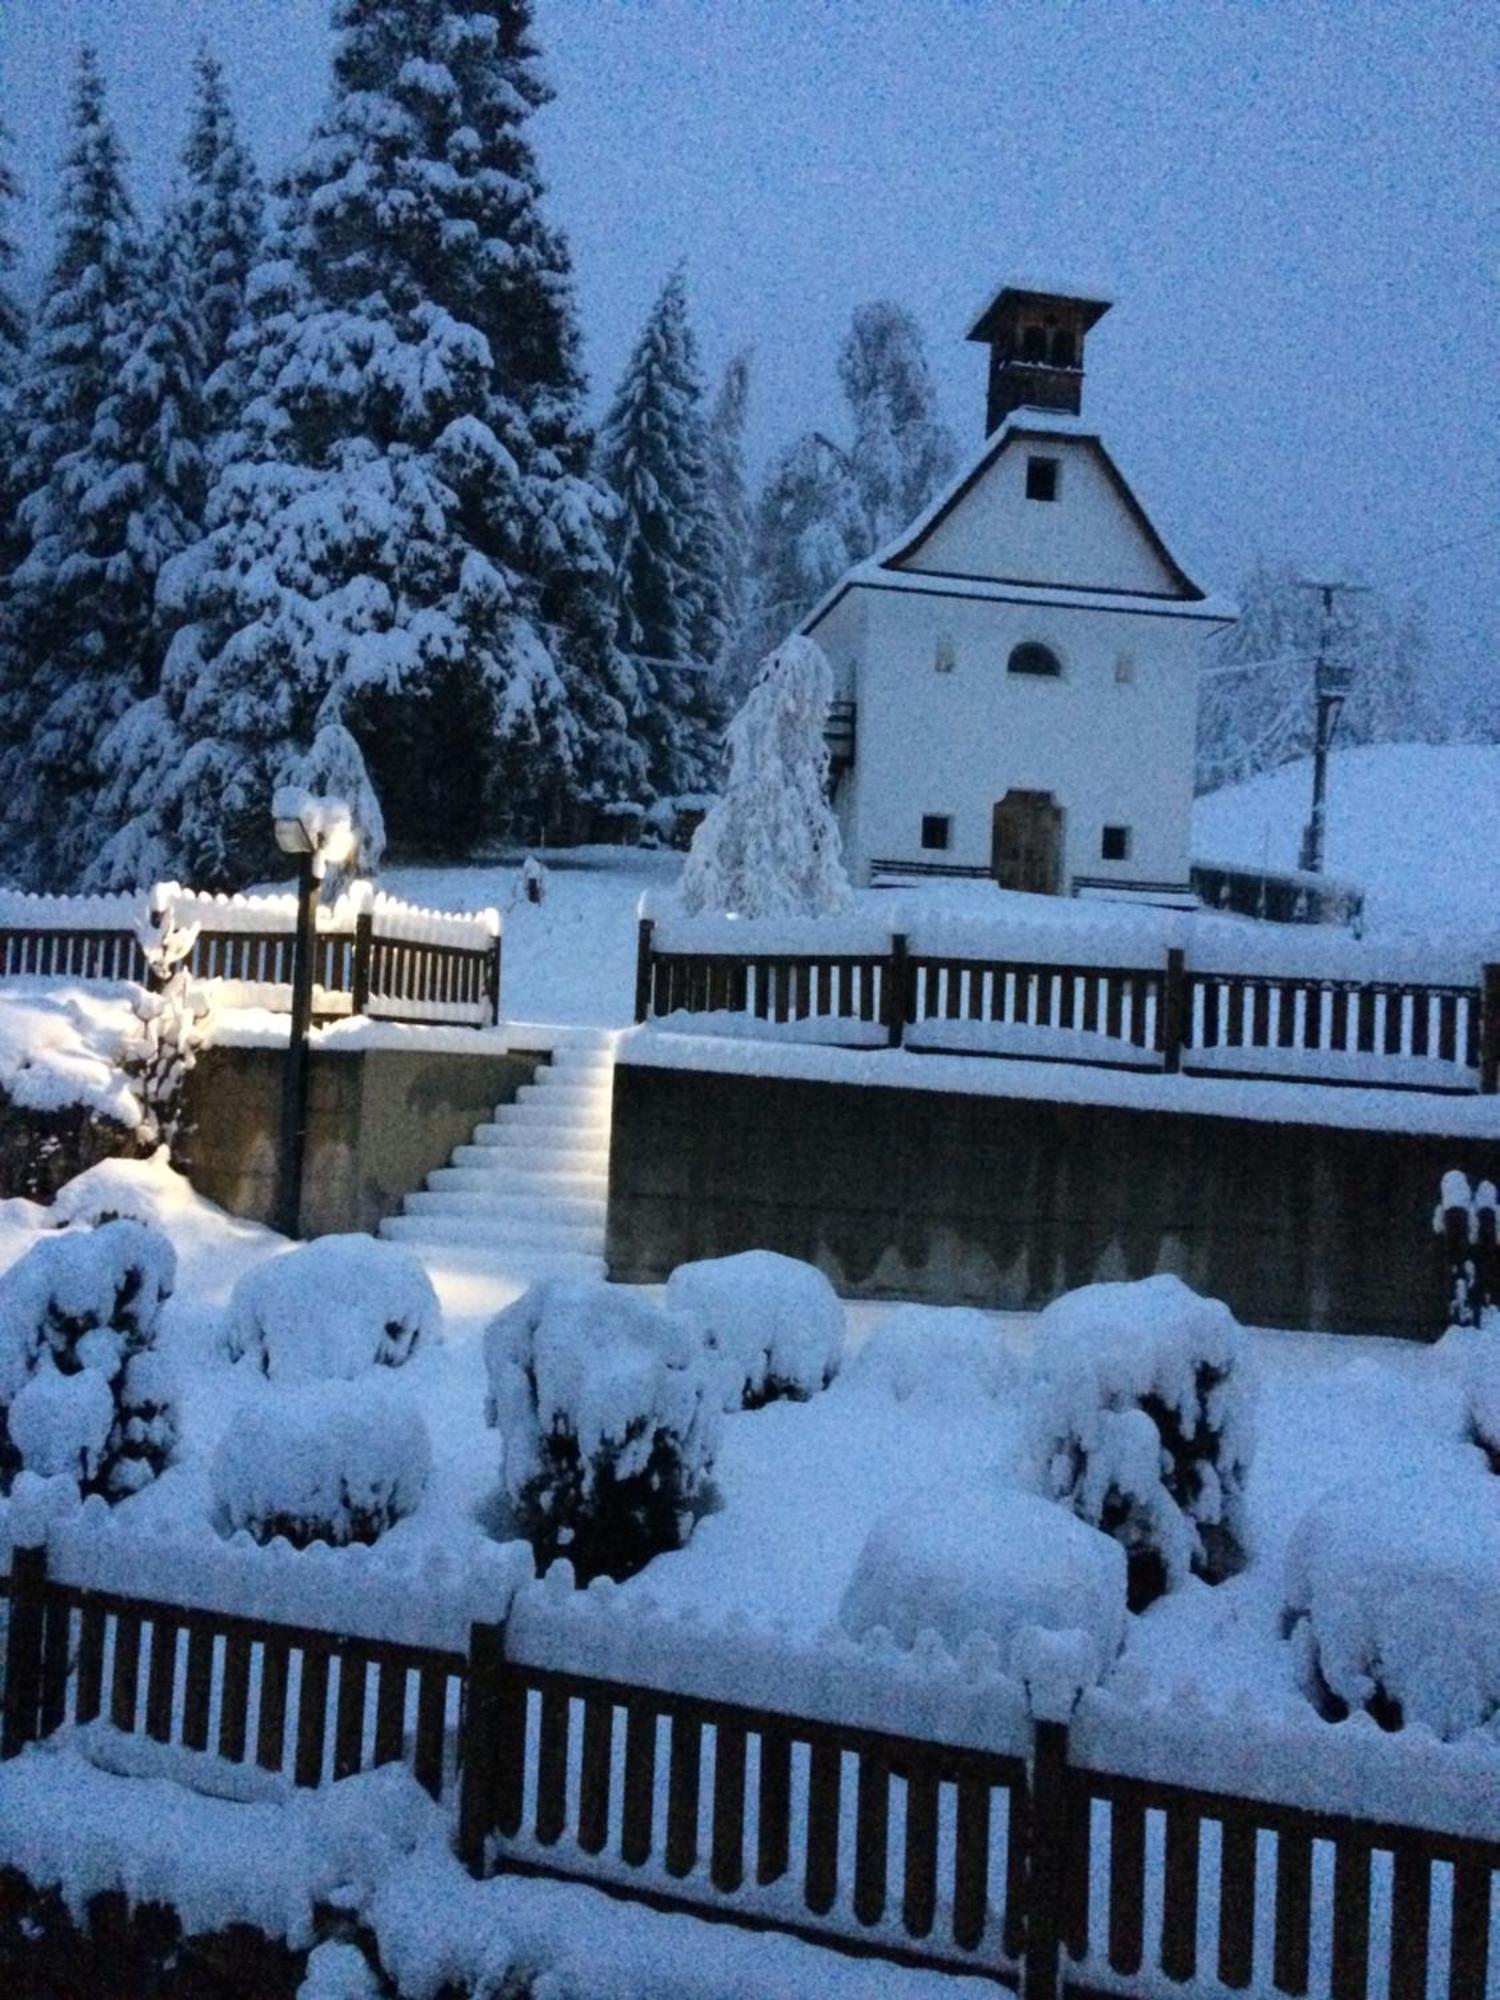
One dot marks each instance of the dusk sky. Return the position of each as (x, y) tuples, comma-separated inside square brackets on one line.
[(1293, 207)]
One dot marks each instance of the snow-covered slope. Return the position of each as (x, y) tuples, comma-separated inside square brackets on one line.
[(1412, 823)]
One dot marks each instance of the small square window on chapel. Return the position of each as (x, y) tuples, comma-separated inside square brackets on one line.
[(1041, 479), (935, 828), (1115, 845), (1124, 667)]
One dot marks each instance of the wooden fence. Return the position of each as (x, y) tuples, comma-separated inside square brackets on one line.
[(1037, 1870), (376, 963), (1172, 1016)]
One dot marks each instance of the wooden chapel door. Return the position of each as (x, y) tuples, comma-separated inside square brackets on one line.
[(1026, 847)]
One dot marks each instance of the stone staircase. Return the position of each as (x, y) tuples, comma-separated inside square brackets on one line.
[(530, 1189)]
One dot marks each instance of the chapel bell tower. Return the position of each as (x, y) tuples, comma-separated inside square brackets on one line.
[(1036, 341)]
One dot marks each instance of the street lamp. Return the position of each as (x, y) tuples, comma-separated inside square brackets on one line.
[(316, 832)]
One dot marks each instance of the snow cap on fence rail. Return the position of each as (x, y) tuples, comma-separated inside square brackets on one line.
[(815, 937), (22, 911), (472, 930), (1278, 1749), (403, 1591), (626, 1635)]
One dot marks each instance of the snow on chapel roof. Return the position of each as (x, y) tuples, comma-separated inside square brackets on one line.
[(884, 569)]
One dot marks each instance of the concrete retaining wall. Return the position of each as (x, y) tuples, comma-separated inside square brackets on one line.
[(379, 1121), (1007, 1202)]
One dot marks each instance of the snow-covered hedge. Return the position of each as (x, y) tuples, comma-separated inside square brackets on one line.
[(609, 1411), (776, 1324), (1143, 1423), (326, 1461), (1392, 1594), (961, 1562), (82, 1391), (332, 1309), (936, 1354)]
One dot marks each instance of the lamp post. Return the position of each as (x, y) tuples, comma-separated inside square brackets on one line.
[(315, 835)]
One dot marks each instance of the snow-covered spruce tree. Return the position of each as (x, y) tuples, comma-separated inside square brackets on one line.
[(902, 452), (219, 211), (809, 528), (403, 514), (654, 452), (53, 668), (770, 845), (12, 313), (726, 459)]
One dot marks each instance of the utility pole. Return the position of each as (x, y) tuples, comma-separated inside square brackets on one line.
[(1330, 685)]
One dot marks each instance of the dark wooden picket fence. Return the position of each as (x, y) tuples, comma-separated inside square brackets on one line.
[(358, 968), (1023, 1868), (1171, 1016)]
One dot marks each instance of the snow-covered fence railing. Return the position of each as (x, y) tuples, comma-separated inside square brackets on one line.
[(1220, 1000), (372, 953), (310, 1665), (914, 1807), (1291, 897)]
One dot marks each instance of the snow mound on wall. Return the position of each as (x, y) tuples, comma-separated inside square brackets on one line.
[(775, 1323), (936, 1354), (332, 1461), (962, 1563), (1395, 1593), (1143, 1419), (331, 1309), (59, 1046)]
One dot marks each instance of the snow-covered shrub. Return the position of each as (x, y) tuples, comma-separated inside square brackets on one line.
[(1465, 1218), (322, 1462), (164, 1049), (1392, 1593), (775, 1324), (609, 1412), (770, 846), (1143, 1422), (332, 1309), (936, 1354), (82, 1390), (959, 1561)]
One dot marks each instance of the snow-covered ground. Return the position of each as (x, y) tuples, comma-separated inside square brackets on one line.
[(1406, 821)]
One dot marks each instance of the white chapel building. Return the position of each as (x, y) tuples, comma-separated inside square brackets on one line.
[(1015, 680)]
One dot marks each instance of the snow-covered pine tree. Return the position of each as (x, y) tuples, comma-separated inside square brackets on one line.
[(726, 458), (770, 846), (902, 451), (13, 333), (669, 562), (219, 212), (12, 313), (404, 511), (809, 528), (137, 500), (54, 672)]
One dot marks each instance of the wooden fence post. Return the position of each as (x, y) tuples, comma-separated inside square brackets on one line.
[(23, 1652), (1172, 1028), (893, 993), (496, 960), (479, 1743), (1489, 1033), (643, 969), (364, 952), (1047, 1885)]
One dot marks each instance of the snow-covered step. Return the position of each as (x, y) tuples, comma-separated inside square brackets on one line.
[(522, 1233), (527, 1195), (502, 1175), (579, 1211), (562, 1117)]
